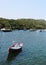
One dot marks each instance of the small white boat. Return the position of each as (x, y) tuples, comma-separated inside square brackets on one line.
[(6, 30), (17, 47)]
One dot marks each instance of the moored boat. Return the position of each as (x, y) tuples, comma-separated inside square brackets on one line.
[(15, 48), (6, 30)]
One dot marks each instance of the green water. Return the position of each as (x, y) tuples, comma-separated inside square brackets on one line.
[(33, 51)]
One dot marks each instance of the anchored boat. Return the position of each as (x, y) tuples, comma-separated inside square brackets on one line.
[(15, 48), (6, 30)]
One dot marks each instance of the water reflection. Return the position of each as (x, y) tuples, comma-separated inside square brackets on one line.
[(12, 56)]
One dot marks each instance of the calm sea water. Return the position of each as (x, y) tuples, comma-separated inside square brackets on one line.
[(33, 51)]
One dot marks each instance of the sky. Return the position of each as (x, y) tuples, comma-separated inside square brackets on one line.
[(14, 9)]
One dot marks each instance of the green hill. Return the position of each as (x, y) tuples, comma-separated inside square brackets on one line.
[(22, 23)]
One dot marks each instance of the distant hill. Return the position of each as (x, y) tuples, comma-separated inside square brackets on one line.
[(22, 23)]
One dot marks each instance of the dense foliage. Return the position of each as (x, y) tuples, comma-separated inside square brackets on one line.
[(22, 24)]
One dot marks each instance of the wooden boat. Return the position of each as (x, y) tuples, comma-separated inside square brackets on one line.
[(15, 48)]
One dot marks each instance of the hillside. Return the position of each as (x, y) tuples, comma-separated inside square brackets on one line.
[(22, 23)]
